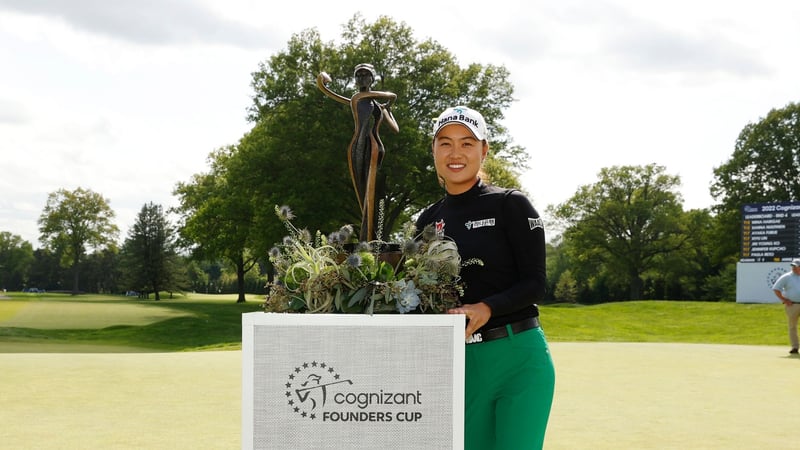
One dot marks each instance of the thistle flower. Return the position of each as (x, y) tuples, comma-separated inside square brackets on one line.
[(347, 231), (410, 247), (335, 238), (354, 260), (304, 235), (284, 213), (429, 233)]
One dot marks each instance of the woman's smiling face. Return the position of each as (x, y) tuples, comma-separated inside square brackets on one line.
[(458, 156)]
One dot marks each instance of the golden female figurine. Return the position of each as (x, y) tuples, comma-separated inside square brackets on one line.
[(370, 109)]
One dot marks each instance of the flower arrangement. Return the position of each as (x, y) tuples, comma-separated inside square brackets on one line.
[(334, 274)]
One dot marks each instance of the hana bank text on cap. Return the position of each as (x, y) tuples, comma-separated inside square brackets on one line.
[(472, 119)]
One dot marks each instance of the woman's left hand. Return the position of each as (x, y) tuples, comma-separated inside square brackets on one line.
[(477, 316)]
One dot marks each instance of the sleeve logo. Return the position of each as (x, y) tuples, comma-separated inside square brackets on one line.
[(535, 223)]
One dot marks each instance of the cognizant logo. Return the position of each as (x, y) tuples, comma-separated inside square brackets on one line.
[(315, 390)]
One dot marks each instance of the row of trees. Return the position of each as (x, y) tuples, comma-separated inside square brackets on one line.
[(626, 236), (80, 253)]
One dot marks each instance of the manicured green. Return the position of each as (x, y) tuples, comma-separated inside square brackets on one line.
[(193, 322), (667, 321), (64, 323)]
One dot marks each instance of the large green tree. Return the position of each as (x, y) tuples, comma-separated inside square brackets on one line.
[(74, 222), (296, 153), (150, 257), (624, 225), (217, 216), (16, 258), (764, 168)]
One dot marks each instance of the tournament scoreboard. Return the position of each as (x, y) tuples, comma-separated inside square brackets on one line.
[(770, 232)]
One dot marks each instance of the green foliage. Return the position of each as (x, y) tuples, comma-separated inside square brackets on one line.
[(73, 222), (765, 164), (16, 258), (150, 258), (764, 167), (624, 226), (101, 272), (567, 288), (218, 217), (499, 173), (46, 271), (721, 286)]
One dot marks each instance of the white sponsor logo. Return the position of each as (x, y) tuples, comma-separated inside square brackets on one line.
[(535, 223), (480, 223), (474, 338)]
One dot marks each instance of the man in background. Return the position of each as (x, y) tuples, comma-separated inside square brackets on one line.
[(787, 289)]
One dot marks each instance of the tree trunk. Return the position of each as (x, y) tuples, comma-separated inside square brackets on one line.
[(240, 280), (636, 287), (75, 286)]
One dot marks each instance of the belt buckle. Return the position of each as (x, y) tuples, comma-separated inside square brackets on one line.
[(475, 338)]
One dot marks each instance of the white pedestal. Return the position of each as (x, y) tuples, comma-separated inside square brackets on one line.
[(352, 381)]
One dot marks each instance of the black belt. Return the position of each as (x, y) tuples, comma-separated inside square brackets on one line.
[(501, 332)]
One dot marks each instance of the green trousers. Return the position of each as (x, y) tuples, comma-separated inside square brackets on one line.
[(509, 386)]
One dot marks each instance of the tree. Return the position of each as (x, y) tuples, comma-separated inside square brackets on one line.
[(197, 278), (686, 272), (73, 222), (764, 167), (624, 224), (567, 288), (47, 272), (217, 217), (101, 271), (295, 154), (150, 257), (16, 258)]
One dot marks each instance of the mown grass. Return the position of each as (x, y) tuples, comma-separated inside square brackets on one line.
[(667, 321), (194, 322), (213, 322)]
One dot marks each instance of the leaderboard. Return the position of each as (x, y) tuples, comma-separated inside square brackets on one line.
[(770, 232)]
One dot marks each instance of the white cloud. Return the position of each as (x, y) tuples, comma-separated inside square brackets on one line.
[(149, 22)]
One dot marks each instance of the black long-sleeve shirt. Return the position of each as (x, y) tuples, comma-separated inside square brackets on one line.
[(503, 229)]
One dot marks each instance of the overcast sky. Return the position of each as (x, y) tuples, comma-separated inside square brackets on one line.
[(127, 98)]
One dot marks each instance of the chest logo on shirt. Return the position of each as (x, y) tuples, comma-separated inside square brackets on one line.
[(439, 228), (535, 223), (773, 275), (480, 223)]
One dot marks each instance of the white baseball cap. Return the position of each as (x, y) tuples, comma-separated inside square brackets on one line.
[(472, 119), (795, 262)]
